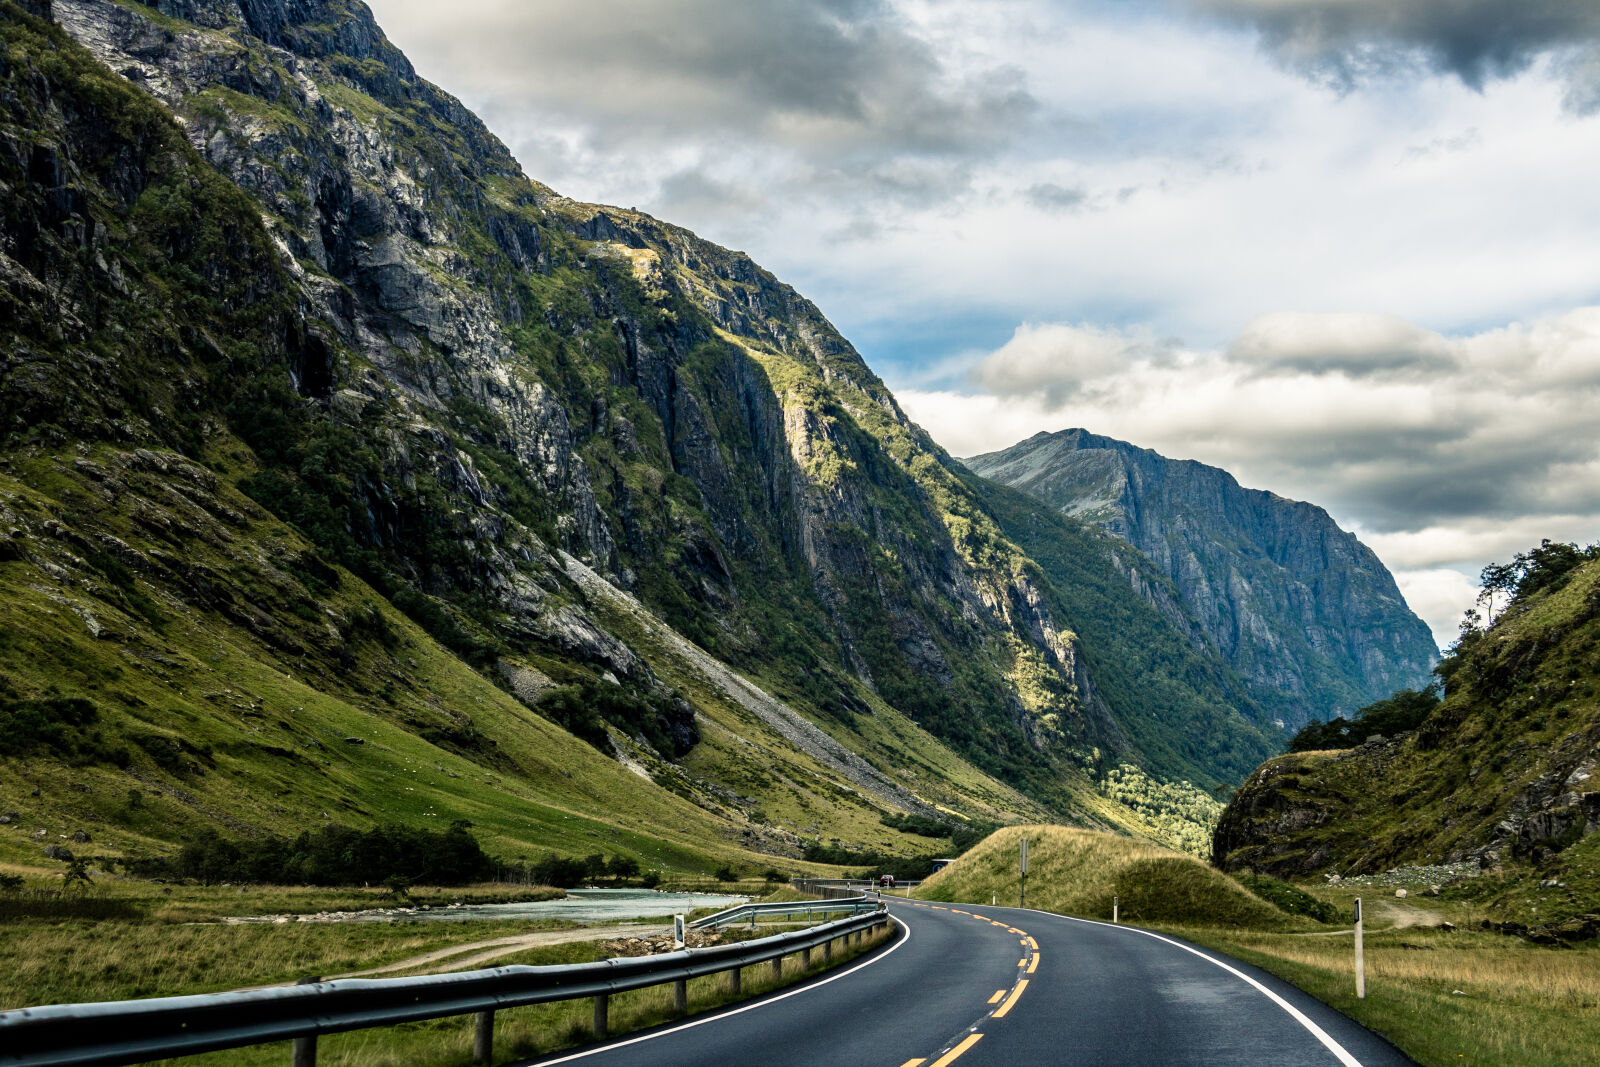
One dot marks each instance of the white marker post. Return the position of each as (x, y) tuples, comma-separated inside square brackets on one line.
[(1116, 903), (1361, 962), (1023, 902), (677, 931)]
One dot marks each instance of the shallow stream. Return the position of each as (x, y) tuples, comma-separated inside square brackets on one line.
[(579, 906)]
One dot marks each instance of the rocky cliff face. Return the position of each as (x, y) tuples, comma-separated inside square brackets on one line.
[(522, 374), (1503, 773), (1300, 608)]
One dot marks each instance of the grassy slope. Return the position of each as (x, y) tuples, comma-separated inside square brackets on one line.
[(268, 733), (1077, 872), (1522, 702)]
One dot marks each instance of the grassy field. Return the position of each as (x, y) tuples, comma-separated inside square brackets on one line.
[(131, 898), (1444, 996)]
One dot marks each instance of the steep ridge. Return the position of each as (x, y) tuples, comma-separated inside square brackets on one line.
[(624, 480), (1301, 609), (1158, 670), (1502, 773), (174, 657)]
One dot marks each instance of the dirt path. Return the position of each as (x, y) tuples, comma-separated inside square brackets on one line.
[(1406, 915), (462, 957), (1399, 917)]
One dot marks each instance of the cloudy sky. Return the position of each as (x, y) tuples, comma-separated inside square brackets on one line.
[(1347, 249)]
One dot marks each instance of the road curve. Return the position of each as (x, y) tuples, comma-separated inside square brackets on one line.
[(985, 987)]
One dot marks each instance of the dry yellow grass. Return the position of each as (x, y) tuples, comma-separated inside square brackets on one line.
[(1446, 997), (1078, 872)]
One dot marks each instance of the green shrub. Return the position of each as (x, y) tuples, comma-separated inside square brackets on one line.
[(1289, 898), (65, 727), (333, 855)]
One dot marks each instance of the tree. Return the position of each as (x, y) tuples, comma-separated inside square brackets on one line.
[(76, 875)]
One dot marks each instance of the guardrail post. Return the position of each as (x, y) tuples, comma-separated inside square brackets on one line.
[(680, 996), (827, 950), (305, 1048), (733, 981), (602, 1006), (805, 959), (777, 967), (483, 1037)]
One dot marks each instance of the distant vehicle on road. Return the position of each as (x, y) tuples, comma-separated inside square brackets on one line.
[(886, 881)]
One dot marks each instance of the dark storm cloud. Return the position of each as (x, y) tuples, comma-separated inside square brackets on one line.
[(835, 78), (1345, 41)]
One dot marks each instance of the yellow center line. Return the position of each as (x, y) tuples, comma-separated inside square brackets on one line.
[(1034, 966), (1033, 944), (958, 911), (1023, 962), (1013, 930), (918, 1062), (1000, 1012), (998, 993), (936, 907), (975, 915), (950, 1057)]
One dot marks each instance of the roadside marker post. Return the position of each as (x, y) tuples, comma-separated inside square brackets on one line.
[(677, 931), (1023, 902), (1116, 905), (1361, 962)]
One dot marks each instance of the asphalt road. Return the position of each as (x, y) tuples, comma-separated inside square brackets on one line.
[(1001, 986)]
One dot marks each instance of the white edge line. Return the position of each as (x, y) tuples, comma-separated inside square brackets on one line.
[(1295, 1013), (804, 988)]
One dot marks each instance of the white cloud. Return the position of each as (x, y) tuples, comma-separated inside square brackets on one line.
[(1440, 597), (1357, 344), (1442, 453), (1054, 360)]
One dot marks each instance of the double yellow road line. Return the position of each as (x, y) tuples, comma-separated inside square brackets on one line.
[(1006, 1002)]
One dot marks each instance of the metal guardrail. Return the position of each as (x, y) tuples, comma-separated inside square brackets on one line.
[(133, 1031), (843, 887), (785, 908)]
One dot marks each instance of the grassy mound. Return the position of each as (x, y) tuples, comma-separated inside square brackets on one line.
[(1077, 872)]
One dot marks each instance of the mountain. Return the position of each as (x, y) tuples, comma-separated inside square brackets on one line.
[(336, 453), (1500, 776), (1301, 609)]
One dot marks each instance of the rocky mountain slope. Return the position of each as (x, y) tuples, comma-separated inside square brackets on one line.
[(1301, 609), (337, 453), (1502, 774)]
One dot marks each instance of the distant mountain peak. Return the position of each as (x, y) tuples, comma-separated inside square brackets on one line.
[(1302, 609)]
